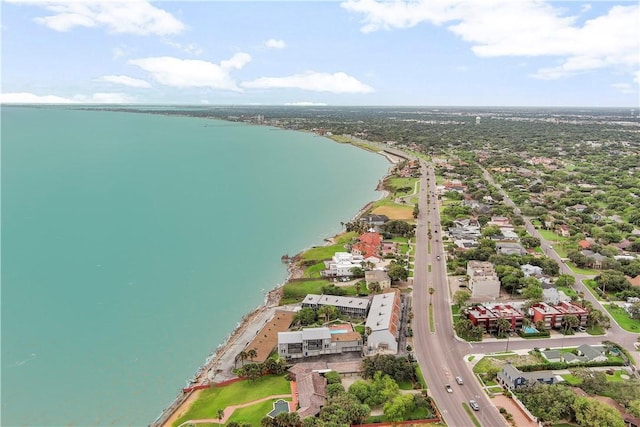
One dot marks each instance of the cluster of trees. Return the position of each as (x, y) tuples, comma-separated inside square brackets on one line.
[(253, 371), (397, 228), (556, 402), (308, 316), (398, 368)]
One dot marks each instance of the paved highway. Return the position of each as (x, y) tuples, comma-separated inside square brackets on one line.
[(440, 354)]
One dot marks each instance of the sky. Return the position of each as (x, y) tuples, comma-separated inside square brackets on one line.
[(351, 52)]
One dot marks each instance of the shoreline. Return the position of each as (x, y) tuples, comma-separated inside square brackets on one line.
[(206, 374)]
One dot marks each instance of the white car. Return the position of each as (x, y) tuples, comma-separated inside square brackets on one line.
[(474, 405), (448, 388), (459, 380)]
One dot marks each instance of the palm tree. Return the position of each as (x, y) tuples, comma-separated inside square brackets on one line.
[(242, 356), (220, 414), (252, 353), (503, 325), (431, 292)]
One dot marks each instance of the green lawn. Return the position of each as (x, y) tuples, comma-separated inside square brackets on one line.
[(567, 290), (252, 414), (293, 292), (396, 183), (551, 236), (616, 377), (313, 272), (622, 318), (212, 399), (571, 379), (320, 253), (400, 239), (596, 330), (585, 271)]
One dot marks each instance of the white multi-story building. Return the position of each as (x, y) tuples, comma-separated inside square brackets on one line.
[(341, 264), (483, 280), (383, 322), (347, 306), (318, 341)]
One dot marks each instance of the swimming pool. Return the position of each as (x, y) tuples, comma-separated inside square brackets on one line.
[(529, 330)]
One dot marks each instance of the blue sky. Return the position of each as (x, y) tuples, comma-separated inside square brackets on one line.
[(353, 52)]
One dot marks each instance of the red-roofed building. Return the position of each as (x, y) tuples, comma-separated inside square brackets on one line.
[(368, 245), (635, 281), (584, 244)]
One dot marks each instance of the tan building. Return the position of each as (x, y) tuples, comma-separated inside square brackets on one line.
[(377, 276), (483, 280)]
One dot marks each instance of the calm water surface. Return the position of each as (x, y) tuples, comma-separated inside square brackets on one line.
[(132, 244)]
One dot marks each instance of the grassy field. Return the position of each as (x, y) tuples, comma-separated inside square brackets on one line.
[(212, 399), (314, 271), (320, 253), (397, 183), (585, 271), (622, 318), (395, 211), (293, 292)]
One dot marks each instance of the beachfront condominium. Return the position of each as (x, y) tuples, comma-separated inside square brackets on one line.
[(347, 306)]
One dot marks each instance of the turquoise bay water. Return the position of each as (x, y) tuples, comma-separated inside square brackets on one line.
[(132, 244)]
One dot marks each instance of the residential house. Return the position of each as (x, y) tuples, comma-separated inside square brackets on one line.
[(563, 230), (318, 341), (531, 270), (374, 221), (511, 377), (594, 259), (553, 296), (388, 248), (368, 245), (500, 221), (346, 305), (341, 264), (510, 248), (383, 322), (455, 185), (592, 353), (379, 276), (312, 390), (635, 281), (483, 280), (552, 355)]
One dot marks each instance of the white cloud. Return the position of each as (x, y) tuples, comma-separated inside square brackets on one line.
[(190, 48), (118, 16), (305, 104), (624, 87), (275, 44), (313, 81), (125, 80), (30, 98), (185, 73), (525, 28), (104, 98), (96, 98)]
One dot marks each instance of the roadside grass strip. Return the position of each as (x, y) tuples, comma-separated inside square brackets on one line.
[(621, 317), (432, 323), (471, 414)]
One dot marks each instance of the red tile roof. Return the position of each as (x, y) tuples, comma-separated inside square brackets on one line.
[(368, 244)]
